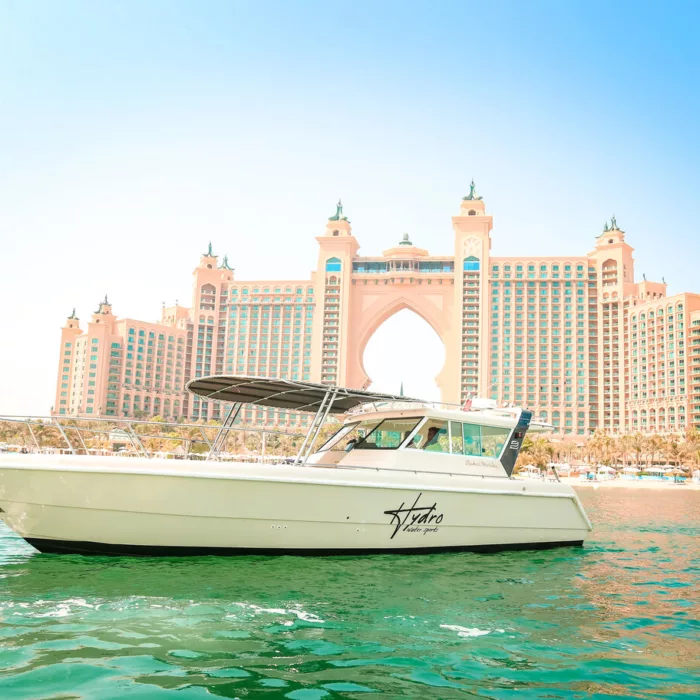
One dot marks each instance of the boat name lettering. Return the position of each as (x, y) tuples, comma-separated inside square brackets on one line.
[(477, 462), (415, 518), (514, 444)]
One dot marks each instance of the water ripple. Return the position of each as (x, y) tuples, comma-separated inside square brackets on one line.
[(618, 617)]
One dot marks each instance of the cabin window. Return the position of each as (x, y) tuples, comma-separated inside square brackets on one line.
[(472, 439), (433, 436), (340, 439), (493, 439), (456, 441), (389, 434)]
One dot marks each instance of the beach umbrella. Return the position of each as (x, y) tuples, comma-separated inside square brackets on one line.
[(631, 470)]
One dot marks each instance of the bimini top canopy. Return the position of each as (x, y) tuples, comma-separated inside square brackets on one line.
[(284, 393)]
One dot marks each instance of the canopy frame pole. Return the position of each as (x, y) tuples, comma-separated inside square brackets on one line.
[(31, 432), (222, 435), (313, 427), (135, 439), (310, 450), (80, 438), (323, 410), (206, 439), (65, 437)]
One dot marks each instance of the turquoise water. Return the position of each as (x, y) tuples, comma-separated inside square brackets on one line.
[(617, 617)]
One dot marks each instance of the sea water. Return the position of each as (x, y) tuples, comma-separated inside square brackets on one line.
[(618, 617)]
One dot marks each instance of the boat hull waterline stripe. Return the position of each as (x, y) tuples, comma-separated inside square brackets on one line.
[(48, 546)]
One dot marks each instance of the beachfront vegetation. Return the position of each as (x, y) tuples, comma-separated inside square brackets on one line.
[(635, 449), (155, 436)]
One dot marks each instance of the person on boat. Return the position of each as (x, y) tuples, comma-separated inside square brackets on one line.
[(350, 444), (433, 439), (433, 433)]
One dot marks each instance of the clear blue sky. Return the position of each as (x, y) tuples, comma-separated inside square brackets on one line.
[(132, 133)]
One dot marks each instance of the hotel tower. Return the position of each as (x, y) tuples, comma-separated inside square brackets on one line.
[(576, 339)]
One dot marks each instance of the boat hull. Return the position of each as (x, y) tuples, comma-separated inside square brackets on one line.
[(161, 507)]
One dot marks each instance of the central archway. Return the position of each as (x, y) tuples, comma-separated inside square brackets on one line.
[(405, 351)]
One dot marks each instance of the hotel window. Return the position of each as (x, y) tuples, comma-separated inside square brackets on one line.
[(471, 264), (332, 265)]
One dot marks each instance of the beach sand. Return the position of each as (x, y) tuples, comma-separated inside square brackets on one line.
[(632, 484)]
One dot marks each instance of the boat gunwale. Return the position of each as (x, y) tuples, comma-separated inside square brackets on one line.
[(319, 482)]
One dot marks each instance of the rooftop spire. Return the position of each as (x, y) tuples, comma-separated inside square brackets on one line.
[(606, 228), (210, 252), (338, 213), (613, 224), (100, 308), (405, 240), (73, 316), (472, 192), (224, 265)]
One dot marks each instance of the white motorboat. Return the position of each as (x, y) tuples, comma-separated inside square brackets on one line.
[(399, 475)]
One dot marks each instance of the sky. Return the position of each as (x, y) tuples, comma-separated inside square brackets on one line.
[(133, 133)]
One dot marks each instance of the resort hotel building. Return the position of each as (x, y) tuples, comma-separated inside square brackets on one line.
[(575, 339)]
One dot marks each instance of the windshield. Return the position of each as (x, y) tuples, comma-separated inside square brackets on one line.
[(389, 434), (349, 434)]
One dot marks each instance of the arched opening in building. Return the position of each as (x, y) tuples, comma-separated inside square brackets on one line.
[(406, 350)]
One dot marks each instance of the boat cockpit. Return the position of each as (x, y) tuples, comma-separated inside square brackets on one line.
[(419, 433), (421, 438), (382, 430)]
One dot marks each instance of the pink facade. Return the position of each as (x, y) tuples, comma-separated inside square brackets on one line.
[(573, 338)]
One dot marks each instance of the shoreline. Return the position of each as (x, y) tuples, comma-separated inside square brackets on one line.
[(633, 484)]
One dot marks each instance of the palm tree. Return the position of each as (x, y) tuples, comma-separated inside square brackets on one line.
[(601, 446), (538, 451), (655, 444), (677, 452), (638, 445), (626, 445)]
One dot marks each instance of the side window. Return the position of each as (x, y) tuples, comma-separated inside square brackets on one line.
[(389, 434), (493, 439), (432, 436), (340, 439), (472, 440), (456, 441)]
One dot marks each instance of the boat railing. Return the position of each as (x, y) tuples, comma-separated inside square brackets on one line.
[(131, 437), (411, 471), (76, 439), (398, 405)]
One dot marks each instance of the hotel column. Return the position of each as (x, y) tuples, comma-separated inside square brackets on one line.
[(469, 348), (337, 249), (66, 365)]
